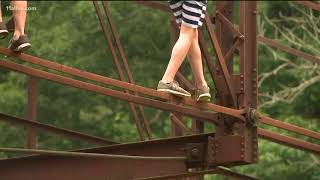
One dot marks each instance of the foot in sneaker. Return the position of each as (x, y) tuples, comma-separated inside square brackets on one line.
[(3, 30), (202, 94), (20, 45), (172, 88)]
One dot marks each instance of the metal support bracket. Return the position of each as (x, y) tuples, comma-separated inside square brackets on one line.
[(195, 155), (227, 150), (252, 117)]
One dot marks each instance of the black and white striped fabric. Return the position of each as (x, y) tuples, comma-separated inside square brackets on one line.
[(189, 13)]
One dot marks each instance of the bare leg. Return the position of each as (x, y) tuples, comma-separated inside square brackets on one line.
[(0, 13), (195, 60), (179, 52), (19, 15)]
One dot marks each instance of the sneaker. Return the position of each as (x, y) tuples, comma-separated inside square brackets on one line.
[(3, 30), (20, 45), (172, 88), (203, 94)]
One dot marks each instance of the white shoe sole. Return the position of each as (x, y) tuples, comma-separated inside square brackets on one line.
[(23, 47), (3, 33), (174, 92), (204, 97)]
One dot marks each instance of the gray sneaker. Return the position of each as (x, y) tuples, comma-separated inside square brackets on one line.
[(172, 88), (203, 94), (21, 44), (3, 30)]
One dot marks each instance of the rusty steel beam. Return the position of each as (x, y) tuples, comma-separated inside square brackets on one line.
[(182, 175), (32, 89), (225, 39), (248, 53), (207, 57), (235, 175), (126, 65), (86, 155), (119, 69), (180, 124), (63, 168), (290, 127), (184, 81), (154, 4), (176, 123), (109, 81), (289, 141), (228, 55), (221, 60), (52, 129), (287, 49), (249, 74), (309, 4), (109, 92), (67, 168), (230, 25), (219, 170)]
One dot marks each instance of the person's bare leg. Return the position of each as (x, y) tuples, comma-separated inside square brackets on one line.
[(179, 52), (194, 56), (19, 15), (0, 13)]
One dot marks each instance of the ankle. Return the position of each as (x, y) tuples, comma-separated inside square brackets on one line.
[(17, 34), (198, 86), (166, 80)]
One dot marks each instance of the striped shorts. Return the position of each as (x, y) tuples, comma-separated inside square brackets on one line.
[(189, 13)]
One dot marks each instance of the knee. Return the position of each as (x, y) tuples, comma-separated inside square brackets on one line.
[(188, 32)]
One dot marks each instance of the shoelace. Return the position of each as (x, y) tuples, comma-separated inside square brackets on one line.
[(175, 85)]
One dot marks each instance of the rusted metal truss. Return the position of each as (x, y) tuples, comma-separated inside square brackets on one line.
[(193, 153)]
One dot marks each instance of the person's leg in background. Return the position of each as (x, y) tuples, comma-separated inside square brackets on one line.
[(202, 91), (3, 29), (195, 60), (19, 15), (19, 41), (179, 52)]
